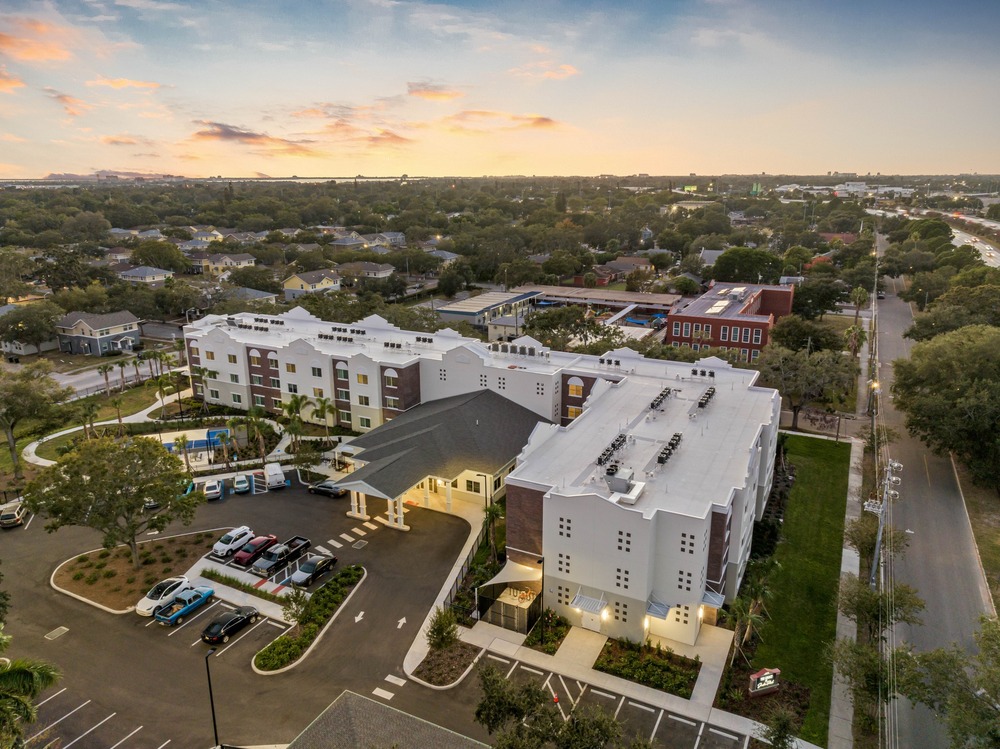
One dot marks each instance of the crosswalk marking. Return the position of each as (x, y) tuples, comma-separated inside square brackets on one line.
[(334, 544), (371, 526), (378, 692), (395, 680), (322, 549), (358, 532), (349, 539)]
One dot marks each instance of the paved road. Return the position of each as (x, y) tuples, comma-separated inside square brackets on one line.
[(941, 561), (147, 676)]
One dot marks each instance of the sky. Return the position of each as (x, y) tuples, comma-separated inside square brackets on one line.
[(328, 88)]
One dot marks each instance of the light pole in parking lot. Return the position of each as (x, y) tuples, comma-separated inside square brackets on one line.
[(211, 698)]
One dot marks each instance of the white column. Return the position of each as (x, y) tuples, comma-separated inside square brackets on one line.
[(427, 492), (358, 506), (447, 495), (400, 515), (390, 505)]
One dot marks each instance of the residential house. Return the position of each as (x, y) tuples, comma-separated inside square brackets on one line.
[(363, 269), (311, 282), (144, 274), (98, 335), (243, 294), (16, 348), (446, 257), (349, 243), (627, 263), (217, 263)]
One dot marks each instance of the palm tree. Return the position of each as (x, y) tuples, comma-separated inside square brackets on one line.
[(21, 682), (741, 611), (492, 513), (106, 369), (182, 440), (224, 441), (295, 431), (122, 366), (181, 350), (136, 361), (89, 412), (234, 424), (147, 356), (117, 403), (859, 298), (179, 380), (293, 410), (324, 408), (161, 384), (855, 337), (255, 430)]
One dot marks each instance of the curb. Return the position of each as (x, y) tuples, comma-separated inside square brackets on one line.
[(315, 642), (454, 684), (985, 591)]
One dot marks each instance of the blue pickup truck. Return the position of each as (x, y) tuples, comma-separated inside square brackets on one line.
[(184, 604)]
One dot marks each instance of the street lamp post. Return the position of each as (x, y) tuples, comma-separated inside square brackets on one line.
[(211, 698)]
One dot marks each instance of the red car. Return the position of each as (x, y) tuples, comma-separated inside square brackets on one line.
[(253, 549)]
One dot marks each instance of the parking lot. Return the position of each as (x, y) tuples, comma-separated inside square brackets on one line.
[(649, 722)]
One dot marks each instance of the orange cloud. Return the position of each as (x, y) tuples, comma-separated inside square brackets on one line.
[(545, 69), (36, 41), (74, 107), (483, 120), (8, 82), (11, 138), (270, 145), (432, 92), (309, 112), (117, 83), (387, 138), (122, 140)]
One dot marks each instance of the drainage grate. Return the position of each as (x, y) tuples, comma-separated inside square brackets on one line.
[(57, 632), (360, 545)]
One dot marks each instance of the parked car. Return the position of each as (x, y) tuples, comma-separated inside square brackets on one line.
[(241, 483), (227, 624), (161, 594), (280, 556), (236, 539), (12, 514), (212, 489), (327, 487), (184, 604), (312, 569), (253, 549)]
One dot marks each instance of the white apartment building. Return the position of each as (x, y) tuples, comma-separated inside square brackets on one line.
[(640, 532)]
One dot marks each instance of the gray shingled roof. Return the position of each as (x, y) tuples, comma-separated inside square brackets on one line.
[(480, 431), (315, 276), (97, 322), (356, 722)]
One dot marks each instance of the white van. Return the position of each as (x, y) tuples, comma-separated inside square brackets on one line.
[(274, 476)]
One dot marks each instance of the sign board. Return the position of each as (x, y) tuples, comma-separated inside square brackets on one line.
[(764, 681)]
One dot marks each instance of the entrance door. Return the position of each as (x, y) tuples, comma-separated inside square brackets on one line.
[(591, 621)]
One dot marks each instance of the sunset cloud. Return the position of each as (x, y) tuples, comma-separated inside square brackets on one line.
[(432, 92), (33, 40), (545, 69), (124, 140), (387, 138), (74, 107), (483, 121), (11, 138), (118, 83), (8, 82), (269, 144)]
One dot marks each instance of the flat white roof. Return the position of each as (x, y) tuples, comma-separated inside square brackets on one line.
[(483, 302)]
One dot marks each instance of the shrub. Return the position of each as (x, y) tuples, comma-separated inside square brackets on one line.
[(78, 576), (109, 574), (82, 558), (92, 578), (104, 554), (100, 565), (443, 630), (130, 579)]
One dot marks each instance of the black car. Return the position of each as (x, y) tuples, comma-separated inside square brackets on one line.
[(311, 569), (329, 488), (227, 624)]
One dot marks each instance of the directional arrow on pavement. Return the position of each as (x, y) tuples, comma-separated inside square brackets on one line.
[(359, 617), (401, 623)]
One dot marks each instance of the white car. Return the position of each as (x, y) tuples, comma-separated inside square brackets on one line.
[(212, 489), (241, 483), (232, 541), (161, 594)]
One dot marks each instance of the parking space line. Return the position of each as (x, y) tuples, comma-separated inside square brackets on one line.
[(511, 670), (378, 692), (178, 627), (349, 539), (335, 544), (93, 728), (656, 726), (567, 691), (127, 737), (50, 725), (497, 658), (164, 744), (679, 719), (370, 526), (25, 526), (619, 708), (642, 707), (701, 730), (282, 627), (532, 670), (233, 642), (395, 680), (603, 694), (51, 697), (358, 532), (717, 732), (322, 550)]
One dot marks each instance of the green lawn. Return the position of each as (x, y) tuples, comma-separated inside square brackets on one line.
[(803, 608)]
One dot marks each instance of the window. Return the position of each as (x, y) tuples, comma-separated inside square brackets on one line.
[(621, 612), (234, 378), (343, 395), (364, 422), (624, 541), (254, 361), (391, 381), (345, 417), (572, 412), (237, 398), (621, 579), (289, 367), (707, 330), (736, 334), (272, 361), (683, 580), (744, 354), (746, 335), (276, 404), (539, 388), (756, 336), (443, 375), (342, 373), (317, 372), (214, 394), (483, 381), (293, 388), (563, 563), (364, 400), (563, 595), (725, 333), (256, 380), (391, 402), (193, 350), (317, 392), (501, 383), (696, 347), (210, 355), (677, 328), (472, 486), (362, 379), (686, 545), (687, 329), (566, 527), (231, 358), (576, 391), (697, 327), (258, 400), (754, 355), (275, 383)]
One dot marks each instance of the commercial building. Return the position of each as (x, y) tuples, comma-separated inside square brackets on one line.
[(637, 481), (730, 316), (480, 310)]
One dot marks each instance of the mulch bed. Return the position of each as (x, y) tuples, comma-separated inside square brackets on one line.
[(444, 667), (734, 694)]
